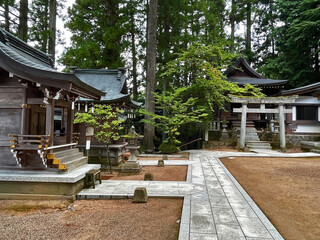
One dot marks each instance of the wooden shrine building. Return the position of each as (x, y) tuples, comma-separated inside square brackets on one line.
[(36, 114), (242, 73), (114, 83)]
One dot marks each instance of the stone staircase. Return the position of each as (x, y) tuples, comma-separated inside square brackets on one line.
[(253, 140), (67, 159)]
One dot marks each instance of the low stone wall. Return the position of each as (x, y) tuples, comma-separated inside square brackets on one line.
[(296, 139), (40, 190)]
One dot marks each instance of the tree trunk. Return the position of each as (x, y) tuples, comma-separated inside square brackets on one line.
[(272, 28), (316, 62), (23, 20), (248, 37), (149, 130), (44, 43), (232, 21), (52, 28), (134, 58), (6, 16)]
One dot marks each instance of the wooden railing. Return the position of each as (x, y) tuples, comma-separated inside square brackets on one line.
[(23, 143)]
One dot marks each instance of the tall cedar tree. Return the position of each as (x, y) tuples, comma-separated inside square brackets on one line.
[(297, 43), (149, 130), (97, 29), (23, 20), (6, 7), (52, 28)]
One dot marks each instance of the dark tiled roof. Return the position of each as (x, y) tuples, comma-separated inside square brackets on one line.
[(111, 81), (312, 88), (33, 65), (257, 81), (242, 73)]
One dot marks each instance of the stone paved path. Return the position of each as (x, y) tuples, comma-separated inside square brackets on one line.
[(215, 205)]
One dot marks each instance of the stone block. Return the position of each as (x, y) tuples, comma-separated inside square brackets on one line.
[(140, 195), (160, 163), (148, 176)]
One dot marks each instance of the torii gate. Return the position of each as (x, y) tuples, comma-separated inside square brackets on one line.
[(280, 101)]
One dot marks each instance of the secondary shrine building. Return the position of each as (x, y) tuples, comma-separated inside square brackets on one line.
[(36, 124)]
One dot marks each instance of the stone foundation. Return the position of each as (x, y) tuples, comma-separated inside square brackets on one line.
[(42, 184), (40, 190), (295, 139)]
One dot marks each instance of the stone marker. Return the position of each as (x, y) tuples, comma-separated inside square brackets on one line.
[(148, 176), (160, 163), (140, 195)]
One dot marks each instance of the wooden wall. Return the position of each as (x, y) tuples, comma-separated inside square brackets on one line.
[(11, 100)]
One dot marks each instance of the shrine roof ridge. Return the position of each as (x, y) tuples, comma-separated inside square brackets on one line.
[(263, 100)]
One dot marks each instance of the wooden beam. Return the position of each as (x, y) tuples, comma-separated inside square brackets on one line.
[(50, 120), (62, 103), (259, 110), (35, 101)]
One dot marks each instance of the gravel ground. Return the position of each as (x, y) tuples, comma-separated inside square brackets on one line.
[(90, 219), (166, 173), (286, 189), (158, 158)]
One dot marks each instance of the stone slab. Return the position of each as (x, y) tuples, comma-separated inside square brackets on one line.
[(43, 176)]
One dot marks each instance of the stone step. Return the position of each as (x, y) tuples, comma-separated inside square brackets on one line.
[(60, 154), (76, 163), (315, 150), (250, 139), (258, 143), (259, 147), (71, 157)]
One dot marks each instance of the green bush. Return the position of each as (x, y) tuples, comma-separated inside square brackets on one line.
[(168, 148)]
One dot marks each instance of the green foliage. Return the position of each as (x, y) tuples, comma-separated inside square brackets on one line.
[(105, 121), (178, 113), (97, 28), (297, 41), (168, 147), (39, 32), (200, 69)]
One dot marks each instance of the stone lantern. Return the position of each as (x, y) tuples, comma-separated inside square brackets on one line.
[(132, 165)]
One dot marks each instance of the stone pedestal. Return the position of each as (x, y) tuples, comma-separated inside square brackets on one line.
[(224, 134), (132, 165), (140, 195)]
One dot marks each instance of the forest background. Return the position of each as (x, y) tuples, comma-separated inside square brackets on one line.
[(279, 38)]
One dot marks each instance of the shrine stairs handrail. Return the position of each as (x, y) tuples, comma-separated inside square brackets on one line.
[(61, 146)]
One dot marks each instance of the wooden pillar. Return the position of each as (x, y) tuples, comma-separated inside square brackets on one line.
[(282, 127), (24, 113), (50, 120), (243, 125), (70, 124)]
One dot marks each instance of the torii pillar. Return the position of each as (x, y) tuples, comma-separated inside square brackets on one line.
[(243, 125), (282, 127)]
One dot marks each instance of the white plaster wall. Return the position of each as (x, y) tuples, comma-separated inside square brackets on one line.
[(294, 113), (315, 128), (307, 99)]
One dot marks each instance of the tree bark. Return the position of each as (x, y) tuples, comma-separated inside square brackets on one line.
[(249, 23), (23, 20), (149, 130), (316, 62), (272, 28), (52, 28), (134, 58), (232, 21), (6, 16)]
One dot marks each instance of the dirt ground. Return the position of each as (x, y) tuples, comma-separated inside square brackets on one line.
[(286, 189), (166, 173), (90, 219), (169, 158)]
